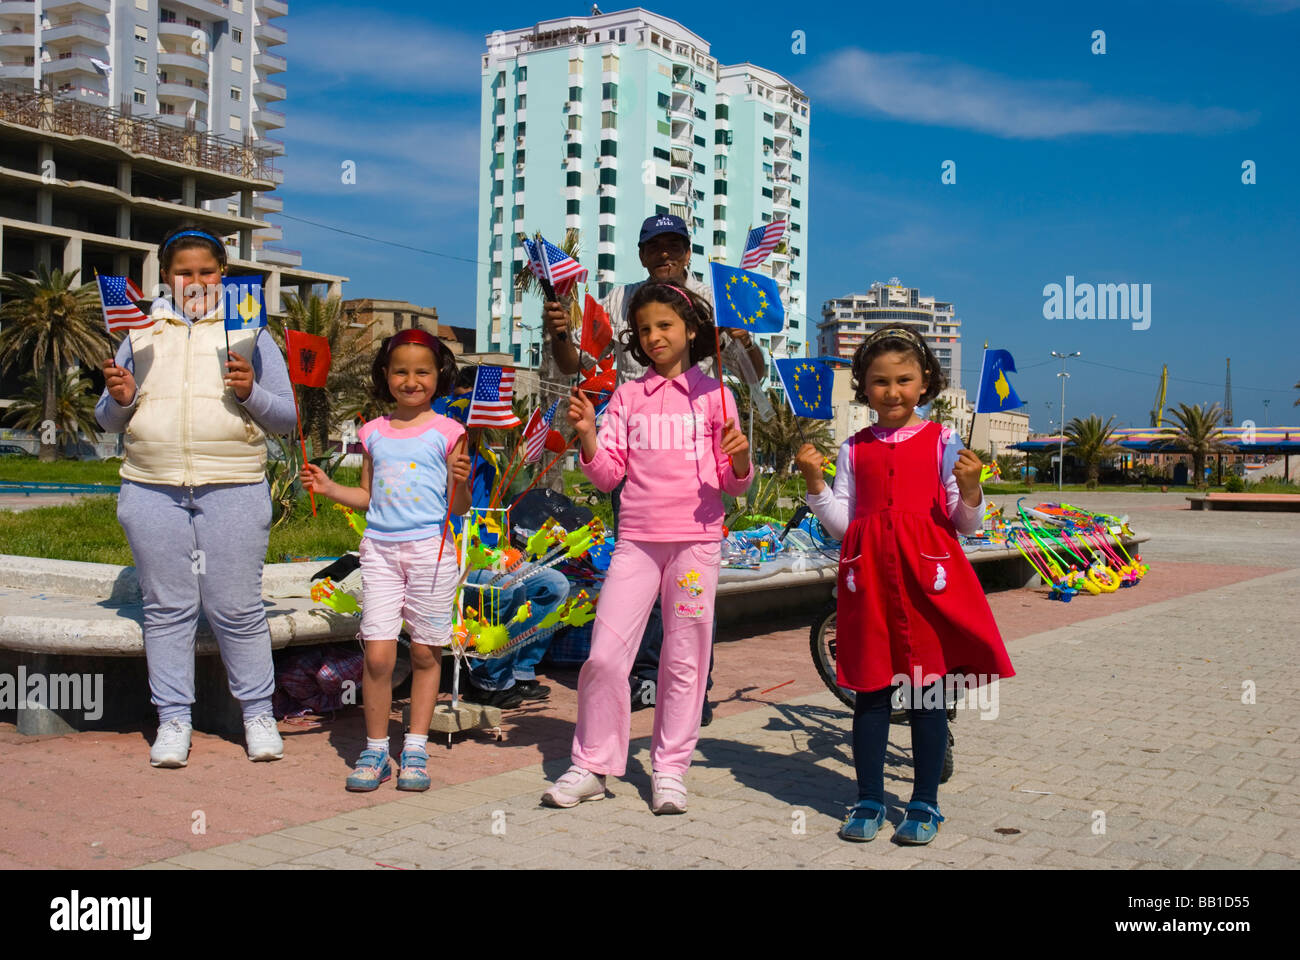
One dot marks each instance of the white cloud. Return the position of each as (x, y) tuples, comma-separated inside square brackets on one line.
[(357, 43), (924, 89)]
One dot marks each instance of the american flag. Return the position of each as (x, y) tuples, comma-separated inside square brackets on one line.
[(761, 242), (558, 267), (489, 406), (118, 296), (539, 425)]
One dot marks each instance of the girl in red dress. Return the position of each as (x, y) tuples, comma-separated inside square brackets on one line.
[(910, 609)]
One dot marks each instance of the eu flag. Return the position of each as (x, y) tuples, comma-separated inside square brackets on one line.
[(742, 298), (245, 302), (996, 393), (808, 386)]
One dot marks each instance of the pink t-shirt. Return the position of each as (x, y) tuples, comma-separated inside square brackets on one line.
[(408, 489), (665, 436)]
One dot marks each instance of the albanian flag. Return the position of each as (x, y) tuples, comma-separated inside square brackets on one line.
[(596, 331), (309, 358)]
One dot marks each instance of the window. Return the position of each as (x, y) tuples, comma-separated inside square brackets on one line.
[(609, 91), (609, 148), (606, 233), (605, 261), (794, 227), (767, 143), (575, 93), (767, 118), (722, 136), (236, 94), (663, 101), (236, 35), (767, 218), (720, 187), (722, 112), (236, 123), (142, 34), (719, 211), (521, 74), (236, 65), (609, 62), (573, 178), (699, 167), (142, 4), (573, 207), (141, 65), (700, 114), (575, 66), (520, 130), (518, 352), (767, 192), (794, 275), (609, 120), (719, 238), (575, 121), (521, 101), (496, 215), (797, 155), (519, 156), (501, 106), (661, 154), (500, 161), (700, 142), (609, 175), (606, 204), (720, 163), (796, 204), (660, 209), (167, 109), (699, 86), (194, 22), (697, 248), (574, 150), (138, 96), (518, 213), (661, 182), (663, 127)]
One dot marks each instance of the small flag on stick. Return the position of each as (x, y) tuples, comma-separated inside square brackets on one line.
[(119, 296)]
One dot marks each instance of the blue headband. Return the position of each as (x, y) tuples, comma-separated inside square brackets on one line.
[(193, 233)]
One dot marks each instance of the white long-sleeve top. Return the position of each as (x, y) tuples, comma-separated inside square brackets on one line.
[(834, 506)]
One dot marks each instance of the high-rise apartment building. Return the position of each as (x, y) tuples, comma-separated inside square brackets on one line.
[(848, 320), (204, 66), (595, 123)]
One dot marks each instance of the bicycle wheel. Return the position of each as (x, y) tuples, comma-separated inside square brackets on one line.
[(821, 641)]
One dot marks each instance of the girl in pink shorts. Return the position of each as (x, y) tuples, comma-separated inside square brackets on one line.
[(665, 433), (414, 464)]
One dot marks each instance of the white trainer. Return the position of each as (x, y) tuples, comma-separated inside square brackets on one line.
[(263, 738), (578, 785), (171, 748)]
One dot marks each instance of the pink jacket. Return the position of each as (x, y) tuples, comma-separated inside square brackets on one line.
[(665, 436)]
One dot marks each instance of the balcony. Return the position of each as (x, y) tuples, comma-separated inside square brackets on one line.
[(281, 256), (269, 34), (268, 202), (218, 10), (273, 8), (75, 31), (180, 92), (272, 231), (183, 61), (270, 62), (181, 120), (91, 6), (270, 91), (16, 40), (177, 30), (17, 8), (69, 63), (269, 118), (274, 147)]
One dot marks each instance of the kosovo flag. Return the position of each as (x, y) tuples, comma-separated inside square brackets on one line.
[(996, 393), (742, 298), (808, 386), (245, 302)]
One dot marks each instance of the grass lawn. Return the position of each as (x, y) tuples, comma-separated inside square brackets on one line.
[(20, 469)]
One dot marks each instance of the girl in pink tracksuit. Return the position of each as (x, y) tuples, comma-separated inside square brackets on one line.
[(664, 432)]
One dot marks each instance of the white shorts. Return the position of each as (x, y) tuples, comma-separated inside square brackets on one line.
[(402, 580)]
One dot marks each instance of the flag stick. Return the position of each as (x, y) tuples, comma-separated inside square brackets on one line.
[(451, 499), (508, 476), (541, 473), (302, 440)]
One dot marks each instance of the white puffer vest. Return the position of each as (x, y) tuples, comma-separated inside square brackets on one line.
[(188, 428)]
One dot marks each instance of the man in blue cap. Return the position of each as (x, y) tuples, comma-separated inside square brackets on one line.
[(665, 250)]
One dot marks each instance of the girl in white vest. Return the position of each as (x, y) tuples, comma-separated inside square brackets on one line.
[(194, 501)]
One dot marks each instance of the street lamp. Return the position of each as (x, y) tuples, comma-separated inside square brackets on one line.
[(1060, 461)]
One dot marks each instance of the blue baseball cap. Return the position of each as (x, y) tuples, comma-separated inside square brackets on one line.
[(664, 223)]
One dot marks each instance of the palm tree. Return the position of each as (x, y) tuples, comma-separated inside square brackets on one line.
[(347, 389), (1089, 440), (74, 411), (49, 323), (1198, 432), (941, 410), (778, 439)]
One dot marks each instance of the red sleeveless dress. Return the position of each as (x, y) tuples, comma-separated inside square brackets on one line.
[(908, 597)]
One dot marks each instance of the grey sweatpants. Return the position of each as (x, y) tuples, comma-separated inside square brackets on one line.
[(201, 547)]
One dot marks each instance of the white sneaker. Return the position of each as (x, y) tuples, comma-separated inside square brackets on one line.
[(263, 738), (171, 748), (578, 785)]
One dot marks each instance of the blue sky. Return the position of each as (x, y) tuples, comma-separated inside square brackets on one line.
[(1117, 168)]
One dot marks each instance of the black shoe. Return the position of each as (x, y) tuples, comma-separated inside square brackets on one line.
[(643, 694), (706, 714), (532, 690), (503, 699)]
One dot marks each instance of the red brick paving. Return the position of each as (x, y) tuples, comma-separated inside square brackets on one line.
[(91, 799)]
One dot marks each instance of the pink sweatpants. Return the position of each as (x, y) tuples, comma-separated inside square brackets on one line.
[(685, 576)]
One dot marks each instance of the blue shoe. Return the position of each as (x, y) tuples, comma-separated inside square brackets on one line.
[(372, 770), (863, 821), (918, 832), (414, 775)]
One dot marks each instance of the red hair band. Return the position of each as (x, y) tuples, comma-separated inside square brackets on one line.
[(414, 335)]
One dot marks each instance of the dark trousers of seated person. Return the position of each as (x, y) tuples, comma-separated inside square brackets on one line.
[(871, 739), (646, 665)]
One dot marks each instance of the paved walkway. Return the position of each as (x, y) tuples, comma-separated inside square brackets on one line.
[(1128, 706)]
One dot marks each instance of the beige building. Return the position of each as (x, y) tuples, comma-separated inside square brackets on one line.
[(389, 316)]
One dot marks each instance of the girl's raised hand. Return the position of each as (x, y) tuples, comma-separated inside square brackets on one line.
[(316, 480), (967, 471), (735, 446), (582, 414), (120, 383), (239, 376), (809, 462), (458, 463)]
